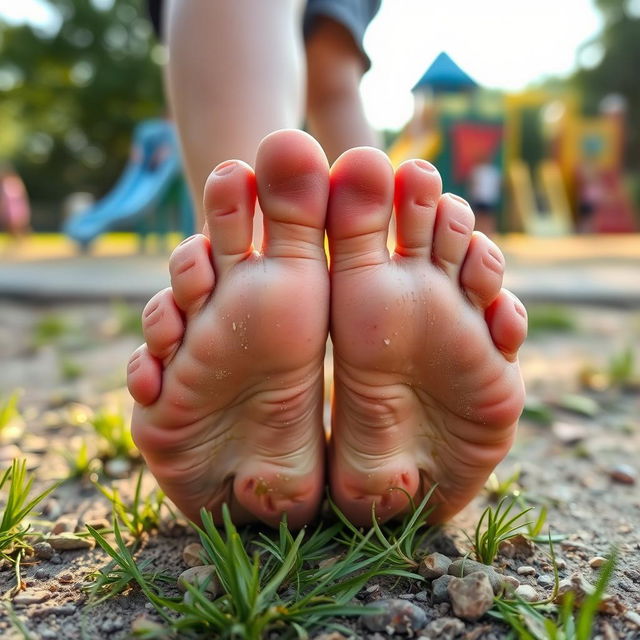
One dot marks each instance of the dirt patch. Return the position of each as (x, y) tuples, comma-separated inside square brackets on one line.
[(577, 453)]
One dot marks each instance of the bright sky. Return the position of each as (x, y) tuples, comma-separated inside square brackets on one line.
[(503, 44)]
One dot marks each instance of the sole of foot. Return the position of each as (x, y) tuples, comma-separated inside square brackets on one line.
[(229, 383), (427, 388)]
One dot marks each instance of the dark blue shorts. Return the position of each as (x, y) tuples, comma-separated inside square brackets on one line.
[(354, 15)]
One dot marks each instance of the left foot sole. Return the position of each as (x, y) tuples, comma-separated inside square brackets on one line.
[(229, 383)]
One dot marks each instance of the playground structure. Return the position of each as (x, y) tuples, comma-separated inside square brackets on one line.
[(561, 172), (149, 191)]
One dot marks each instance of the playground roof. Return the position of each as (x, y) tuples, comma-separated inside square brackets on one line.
[(445, 75)]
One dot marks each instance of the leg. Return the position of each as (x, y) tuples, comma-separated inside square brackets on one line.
[(335, 113), (229, 385), (427, 384), (235, 74)]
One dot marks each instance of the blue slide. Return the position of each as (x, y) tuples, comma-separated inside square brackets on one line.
[(152, 177)]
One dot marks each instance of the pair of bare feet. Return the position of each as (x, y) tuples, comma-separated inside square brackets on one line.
[(229, 385)]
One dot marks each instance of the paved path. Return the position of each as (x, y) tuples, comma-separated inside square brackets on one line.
[(574, 270)]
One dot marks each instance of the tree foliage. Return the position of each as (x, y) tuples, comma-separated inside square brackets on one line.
[(618, 49), (72, 92)]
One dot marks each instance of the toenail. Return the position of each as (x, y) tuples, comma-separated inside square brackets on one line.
[(225, 168), (425, 166), (458, 199), (189, 239)]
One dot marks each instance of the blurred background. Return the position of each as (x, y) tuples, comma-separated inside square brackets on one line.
[(546, 94)]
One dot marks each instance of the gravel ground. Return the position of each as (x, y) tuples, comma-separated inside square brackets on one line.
[(577, 452)]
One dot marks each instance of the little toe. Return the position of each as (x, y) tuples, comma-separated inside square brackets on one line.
[(144, 376), (292, 176), (162, 325), (418, 188), (229, 204), (359, 211), (482, 271), (453, 229), (191, 272), (507, 321)]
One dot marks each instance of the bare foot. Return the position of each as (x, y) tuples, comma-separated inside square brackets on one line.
[(229, 384), (427, 384)]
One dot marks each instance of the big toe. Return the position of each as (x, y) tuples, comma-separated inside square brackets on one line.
[(359, 209), (292, 175)]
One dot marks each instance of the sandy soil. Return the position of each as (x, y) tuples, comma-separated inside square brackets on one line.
[(573, 465)]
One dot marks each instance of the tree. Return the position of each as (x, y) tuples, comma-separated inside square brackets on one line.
[(618, 46), (73, 93)]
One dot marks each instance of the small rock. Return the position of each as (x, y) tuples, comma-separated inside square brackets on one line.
[(62, 610), (98, 523), (623, 474), (43, 550), (439, 589), (66, 578), (581, 588), (526, 571), (422, 596), (41, 574), (511, 583), (64, 524), (560, 563), (597, 561), (472, 596), (527, 593), (443, 629), (569, 433), (372, 592), (464, 566), (398, 616), (633, 617), (51, 509), (9, 452), (56, 558), (434, 565), (193, 554), (198, 577), (517, 547), (118, 468), (546, 581), (333, 635), (407, 596), (70, 542), (31, 597)]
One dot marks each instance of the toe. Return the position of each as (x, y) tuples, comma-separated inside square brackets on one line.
[(482, 271), (507, 321), (293, 188), (191, 273), (359, 209), (229, 203), (162, 325), (418, 187), (453, 229), (144, 376)]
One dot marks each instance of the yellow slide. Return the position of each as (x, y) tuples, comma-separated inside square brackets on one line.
[(555, 219), (406, 147)]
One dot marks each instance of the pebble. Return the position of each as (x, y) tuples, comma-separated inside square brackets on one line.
[(115, 624), (443, 629), (526, 571), (546, 581), (434, 565), (70, 542), (517, 547), (31, 597), (633, 617), (333, 635), (51, 509), (64, 524), (66, 578), (43, 550), (511, 583), (464, 566), (9, 452), (398, 616), (527, 593), (118, 468), (407, 596), (61, 610), (422, 596), (472, 596), (597, 561), (98, 523), (41, 574), (192, 555), (623, 474), (198, 576), (439, 589), (56, 558)]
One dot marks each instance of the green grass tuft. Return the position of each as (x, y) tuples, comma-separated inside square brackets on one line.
[(114, 433)]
